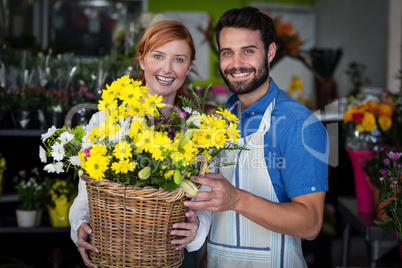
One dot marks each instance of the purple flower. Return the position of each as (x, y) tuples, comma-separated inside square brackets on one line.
[(386, 161), (383, 172), (164, 121), (395, 182), (182, 114), (394, 156), (381, 178)]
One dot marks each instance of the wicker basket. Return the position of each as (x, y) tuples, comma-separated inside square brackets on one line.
[(131, 226)]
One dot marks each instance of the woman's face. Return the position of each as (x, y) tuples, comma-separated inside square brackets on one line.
[(166, 67)]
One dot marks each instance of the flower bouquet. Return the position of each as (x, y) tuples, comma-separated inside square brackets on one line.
[(137, 163), (366, 122)]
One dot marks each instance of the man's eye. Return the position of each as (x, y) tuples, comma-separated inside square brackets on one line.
[(226, 53), (249, 51)]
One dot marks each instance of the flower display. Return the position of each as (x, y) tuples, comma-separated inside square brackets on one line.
[(390, 177), (136, 143), (366, 122), (31, 191)]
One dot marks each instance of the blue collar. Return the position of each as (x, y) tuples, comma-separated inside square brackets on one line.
[(260, 106)]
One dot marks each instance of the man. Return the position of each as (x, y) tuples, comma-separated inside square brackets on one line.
[(274, 197)]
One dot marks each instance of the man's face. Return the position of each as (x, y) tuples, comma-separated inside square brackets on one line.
[(243, 60)]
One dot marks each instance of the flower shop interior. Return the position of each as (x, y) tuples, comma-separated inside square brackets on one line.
[(341, 59)]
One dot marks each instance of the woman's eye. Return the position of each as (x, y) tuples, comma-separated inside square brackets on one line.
[(179, 60), (158, 57)]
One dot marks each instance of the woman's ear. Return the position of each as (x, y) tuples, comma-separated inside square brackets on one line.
[(271, 51), (142, 65), (189, 68)]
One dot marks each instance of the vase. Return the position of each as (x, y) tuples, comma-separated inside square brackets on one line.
[(326, 90), (25, 119), (364, 196), (59, 213), (26, 218)]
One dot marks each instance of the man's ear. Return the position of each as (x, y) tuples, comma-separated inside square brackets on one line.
[(271, 51)]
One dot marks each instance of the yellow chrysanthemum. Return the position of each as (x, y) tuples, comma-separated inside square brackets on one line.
[(152, 103), (228, 115), (168, 174), (123, 166), (122, 150), (385, 110), (97, 164)]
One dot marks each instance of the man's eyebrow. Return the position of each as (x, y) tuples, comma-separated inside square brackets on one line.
[(245, 47)]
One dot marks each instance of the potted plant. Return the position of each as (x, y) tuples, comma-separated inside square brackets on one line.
[(24, 103), (55, 104), (60, 196), (31, 195)]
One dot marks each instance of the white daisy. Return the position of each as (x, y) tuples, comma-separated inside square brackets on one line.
[(54, 168), (49, 133), (66, 137), (57, 151), (42, 154), (75, 160)]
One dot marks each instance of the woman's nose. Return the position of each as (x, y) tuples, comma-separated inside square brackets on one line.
[(167, 67)]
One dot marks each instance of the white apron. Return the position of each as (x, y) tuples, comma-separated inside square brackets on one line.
[(238, 242)]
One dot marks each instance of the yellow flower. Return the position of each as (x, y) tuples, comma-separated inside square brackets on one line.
[(123, 166), (97, 164), (228, 115), (122, 150), (168, 174), (385, 110), (368, 122), (385, 122), (130, 95), (152, 103)]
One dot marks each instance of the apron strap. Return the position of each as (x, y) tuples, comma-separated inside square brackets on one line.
[(266, 119)]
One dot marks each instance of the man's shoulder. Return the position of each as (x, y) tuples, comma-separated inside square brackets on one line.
[(293, 110)]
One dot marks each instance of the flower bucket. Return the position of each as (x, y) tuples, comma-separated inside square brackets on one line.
[(131, 226), (364, 195), (59, 214)]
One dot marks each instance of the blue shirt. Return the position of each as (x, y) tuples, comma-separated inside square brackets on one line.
[(296, 145)]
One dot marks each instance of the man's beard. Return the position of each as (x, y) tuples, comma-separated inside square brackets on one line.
[(244, 87)]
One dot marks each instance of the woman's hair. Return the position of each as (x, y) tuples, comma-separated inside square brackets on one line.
[(158, 35), (249, 18)]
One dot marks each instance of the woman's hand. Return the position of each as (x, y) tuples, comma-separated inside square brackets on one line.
[(83, 246), (188, 230)]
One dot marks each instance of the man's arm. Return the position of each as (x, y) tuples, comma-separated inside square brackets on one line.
[(302, 217)]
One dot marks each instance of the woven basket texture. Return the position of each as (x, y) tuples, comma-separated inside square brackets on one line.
[(131, 226)]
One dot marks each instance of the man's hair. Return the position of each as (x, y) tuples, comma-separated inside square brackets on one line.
[(249, 18)]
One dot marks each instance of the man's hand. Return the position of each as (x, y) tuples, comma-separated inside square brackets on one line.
[(223, 196), (186, 229), (83, 246)]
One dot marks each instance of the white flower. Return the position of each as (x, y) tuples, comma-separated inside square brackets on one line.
[(80, 172), (66, 137), (75, 160), (54, 168), (196, 121), (190, 111), (49, 133), (57, 151), (42, 155), (86, 143)]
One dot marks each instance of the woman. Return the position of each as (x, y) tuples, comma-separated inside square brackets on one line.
[(165, 54)]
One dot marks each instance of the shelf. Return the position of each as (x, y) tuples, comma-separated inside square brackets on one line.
[(8, 225), (22, 132)]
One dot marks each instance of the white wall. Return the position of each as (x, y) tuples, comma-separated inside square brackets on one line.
[(360, 28)]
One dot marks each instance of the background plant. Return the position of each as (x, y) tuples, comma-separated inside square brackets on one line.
[(391, 194), (31, 190)]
